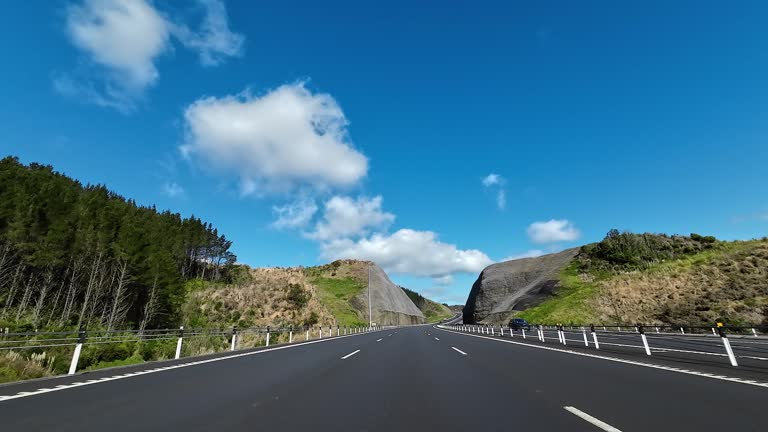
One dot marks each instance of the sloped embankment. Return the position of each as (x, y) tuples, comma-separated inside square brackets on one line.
[(332, 294)]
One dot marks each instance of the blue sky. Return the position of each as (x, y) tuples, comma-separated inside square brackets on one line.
[(308, 131)]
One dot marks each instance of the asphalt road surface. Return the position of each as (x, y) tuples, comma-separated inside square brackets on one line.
[(408, 379)]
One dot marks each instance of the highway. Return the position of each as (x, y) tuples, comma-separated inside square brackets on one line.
[(411, 378)]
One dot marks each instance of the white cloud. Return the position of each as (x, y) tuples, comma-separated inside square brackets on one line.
[(215, 41), (122, 35), (501, 199), (443, 280), (173, 189), (492, 179), (495, 181), (555, 230), (294, 215), (345, 217), (407, 251), (527, 254), (124, 38), (283, 140)]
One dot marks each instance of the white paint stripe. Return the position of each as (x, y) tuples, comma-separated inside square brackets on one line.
[(379, 340), (459, 351), (617, 360), (586, 417), (181, 365), (350, 355), (437, 338)]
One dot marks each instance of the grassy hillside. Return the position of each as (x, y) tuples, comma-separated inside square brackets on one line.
[(662, 279), (433, 311)]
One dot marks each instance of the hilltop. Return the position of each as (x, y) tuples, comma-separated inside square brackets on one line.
[(628, 277)]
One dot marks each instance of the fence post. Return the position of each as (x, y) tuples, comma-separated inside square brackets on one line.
[(645, 340), (78, 348), (267, 335), (234, 338), (594, 336), (584, 333), (178, 342), (727, 344)]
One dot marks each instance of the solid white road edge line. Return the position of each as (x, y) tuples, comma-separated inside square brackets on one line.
[(19, 395), (459, 351), (588, 418), (618, 360), (350, 355)]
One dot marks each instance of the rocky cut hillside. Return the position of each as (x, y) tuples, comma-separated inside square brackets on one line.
[(332, 294), (628, 277), (504, 288)]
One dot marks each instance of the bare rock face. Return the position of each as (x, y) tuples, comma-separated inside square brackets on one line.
[(391, 306), (510, 286)]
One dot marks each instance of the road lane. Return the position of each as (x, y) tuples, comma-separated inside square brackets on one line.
[(626, 396)]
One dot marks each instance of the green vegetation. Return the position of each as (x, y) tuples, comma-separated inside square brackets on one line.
[(433, 311), (690, 280), (336, 294), (571, 303), (82, 256)]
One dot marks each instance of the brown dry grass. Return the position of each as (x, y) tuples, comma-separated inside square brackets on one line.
[(730, 283)]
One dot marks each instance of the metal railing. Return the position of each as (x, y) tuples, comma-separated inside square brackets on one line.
[(231, 339), (745, 346)]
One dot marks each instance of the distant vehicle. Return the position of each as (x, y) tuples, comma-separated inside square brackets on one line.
[(519, 323)]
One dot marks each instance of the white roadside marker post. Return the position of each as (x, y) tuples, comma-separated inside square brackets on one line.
[(76, 354), (338, 331), (234, 338), (290, 335), (754, 332), (682, 331), (523, 330), (562, 334), (594, 336), (493, 332), (321, 332), (727, 345), (657, 330), (267, 335), (306, 338), (713, 332), (178, 343), (501, 329), (645, 341), (584, 333)]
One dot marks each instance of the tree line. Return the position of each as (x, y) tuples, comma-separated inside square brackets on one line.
[(74, 255)]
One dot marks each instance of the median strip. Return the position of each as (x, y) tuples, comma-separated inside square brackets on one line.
[(588, 418), (350, 355)]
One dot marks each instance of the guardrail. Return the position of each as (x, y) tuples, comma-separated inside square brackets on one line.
[(746, 346), (234, 337)]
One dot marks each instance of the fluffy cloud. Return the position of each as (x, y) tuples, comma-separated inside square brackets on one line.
[(555, 230), (407, 251), (172, 189), (294, 215), (345, 217), (528, 254), (125, 38), (285, 139)]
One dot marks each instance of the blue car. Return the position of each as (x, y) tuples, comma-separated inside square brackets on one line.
[(519, 323)]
